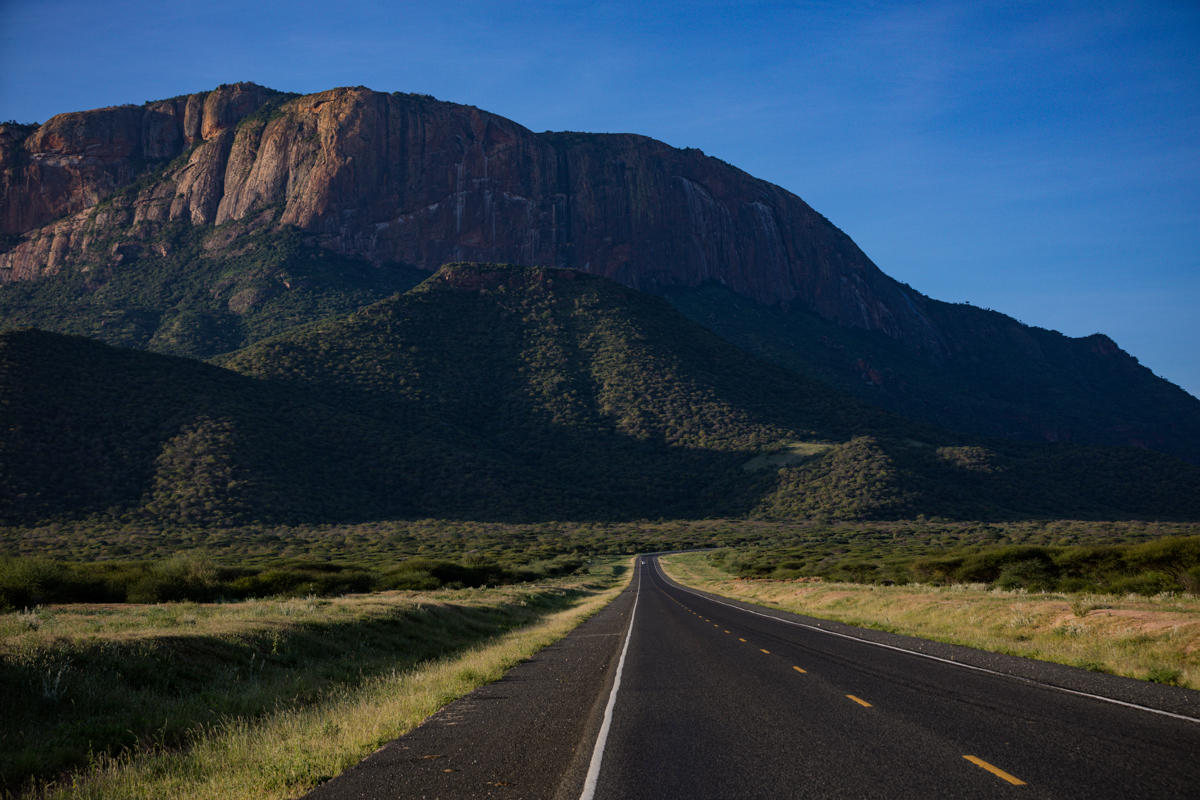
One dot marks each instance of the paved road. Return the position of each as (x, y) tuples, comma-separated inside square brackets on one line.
[(716, 701)]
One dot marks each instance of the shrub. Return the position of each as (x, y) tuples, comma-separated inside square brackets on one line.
[(27, 582), (184, 576)]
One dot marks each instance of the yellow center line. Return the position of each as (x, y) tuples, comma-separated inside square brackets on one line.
[(741, 640), (999, 773), (768, 652), (863, 703), (798, 669), (727, 631)]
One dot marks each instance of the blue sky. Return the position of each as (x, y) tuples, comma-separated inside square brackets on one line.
[(1040, 159)]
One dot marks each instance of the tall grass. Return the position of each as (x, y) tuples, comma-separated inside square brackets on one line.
[(254, 699), (1151, 638)]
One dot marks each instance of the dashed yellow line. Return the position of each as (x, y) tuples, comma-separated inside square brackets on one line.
[(999, 773), (860, 701), (741, 639), (768, 652), (800, 670)]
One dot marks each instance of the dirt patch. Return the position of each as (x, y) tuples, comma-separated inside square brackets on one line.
[(1145, 621)]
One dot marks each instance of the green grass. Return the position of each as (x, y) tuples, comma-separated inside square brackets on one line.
[(786, 455), (256, 699)]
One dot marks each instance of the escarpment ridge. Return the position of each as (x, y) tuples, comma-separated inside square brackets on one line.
[(207, 222), (404, 178)]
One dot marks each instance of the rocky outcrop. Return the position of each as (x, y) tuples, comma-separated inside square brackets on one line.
[(408, 178), (78, 159)]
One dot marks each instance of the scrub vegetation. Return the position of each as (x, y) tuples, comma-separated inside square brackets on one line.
[(194, 576), (201, 535), (827, 549), (260, 698), (1155, 638), (505, 394), (1010, 380), (182, 293), (1169, 564)]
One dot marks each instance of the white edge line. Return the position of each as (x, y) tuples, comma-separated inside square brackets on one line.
[(593, 773), (930, 657)]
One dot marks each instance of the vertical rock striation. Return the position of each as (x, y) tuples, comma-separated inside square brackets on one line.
[(409, 178)]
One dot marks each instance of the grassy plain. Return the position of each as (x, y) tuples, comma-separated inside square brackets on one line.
[(1152, 638), (263, 698)]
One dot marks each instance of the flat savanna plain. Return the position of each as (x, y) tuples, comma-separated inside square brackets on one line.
[(266, 696), (1153, 638), (261, 698)]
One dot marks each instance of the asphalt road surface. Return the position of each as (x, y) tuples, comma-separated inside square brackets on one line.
[(702, 697)]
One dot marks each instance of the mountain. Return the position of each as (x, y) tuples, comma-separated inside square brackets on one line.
[(203, 223), (1006, 380), (506, 393)]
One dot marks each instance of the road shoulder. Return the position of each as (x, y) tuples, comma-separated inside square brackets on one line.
[(528, 735)]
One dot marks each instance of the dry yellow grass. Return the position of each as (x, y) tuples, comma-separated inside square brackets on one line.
[(293, 749), (123, 623), (1156, 638)]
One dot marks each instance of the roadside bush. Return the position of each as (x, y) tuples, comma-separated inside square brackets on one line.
[(185, 576), (194, 576), (564, 564), (1147, 583), (1167, 564), (28, 582), (1031, 573), (1189, 579)]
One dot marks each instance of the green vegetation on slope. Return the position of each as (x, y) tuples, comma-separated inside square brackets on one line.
[(194, 291), (501, 393), (95, 430), (1007, 380)]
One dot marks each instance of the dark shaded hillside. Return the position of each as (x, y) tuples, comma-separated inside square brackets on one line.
[(1006, 380), (558, 367), (94, 430), (503, 393), (91, 429), (182, 293)]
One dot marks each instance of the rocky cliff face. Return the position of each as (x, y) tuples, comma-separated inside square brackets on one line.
[(76, 160), (408, 178)]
